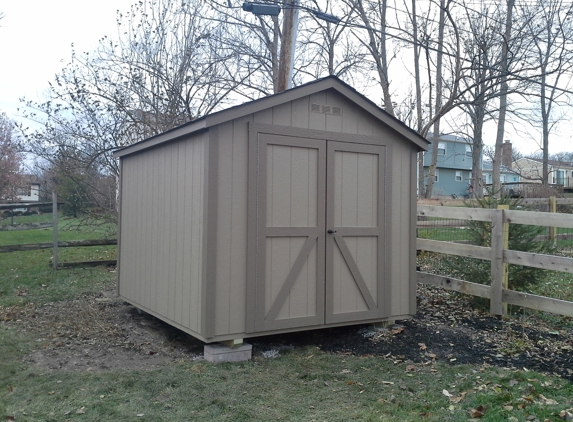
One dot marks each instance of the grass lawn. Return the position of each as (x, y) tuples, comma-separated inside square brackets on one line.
[(303, 384), (66, 230)]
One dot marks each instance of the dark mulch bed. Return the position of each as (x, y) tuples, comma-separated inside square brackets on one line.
[(447, 328)]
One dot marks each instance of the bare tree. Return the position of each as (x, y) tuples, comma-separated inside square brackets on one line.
[(481, 82), (163, 70), (10, 161), (503, 89), (436, 134), (372, 15), (329, 48), (550, 26)]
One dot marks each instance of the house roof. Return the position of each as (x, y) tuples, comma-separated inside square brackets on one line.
[(488, 166), (553, 163), (30, 179), (449, 138), (330, 82)]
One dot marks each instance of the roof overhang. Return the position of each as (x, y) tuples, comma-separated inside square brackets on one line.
[(330, 82)]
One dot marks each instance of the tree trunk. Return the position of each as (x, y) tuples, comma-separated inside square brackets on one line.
[(286, 46), (418, 96), (436, 135), (496, 185)]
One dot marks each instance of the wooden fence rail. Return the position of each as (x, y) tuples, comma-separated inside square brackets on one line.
[(499, 257), (49, 245)]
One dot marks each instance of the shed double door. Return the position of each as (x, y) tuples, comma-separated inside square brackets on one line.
[(319, 232)]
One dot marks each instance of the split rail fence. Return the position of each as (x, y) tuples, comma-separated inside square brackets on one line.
[(499, 255)]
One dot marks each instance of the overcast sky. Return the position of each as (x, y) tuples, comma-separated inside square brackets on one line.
[(36, 38)]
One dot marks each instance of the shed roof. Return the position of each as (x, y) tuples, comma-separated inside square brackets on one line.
[(330, 82)]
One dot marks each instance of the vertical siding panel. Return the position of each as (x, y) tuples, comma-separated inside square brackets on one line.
[(186, 183), (349, 118), (161, 253), (147, 175), (238, 281), (300, 113), (224, 222), (282, 114), (170, 235), (400, 209), (153, 220), (199, 158), (126, 228), (264, 116), (180, 227), (142, 294)]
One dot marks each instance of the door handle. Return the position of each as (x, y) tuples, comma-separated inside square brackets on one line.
[(331, 231)]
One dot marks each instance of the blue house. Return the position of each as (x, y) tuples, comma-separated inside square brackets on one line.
[(454, 168)]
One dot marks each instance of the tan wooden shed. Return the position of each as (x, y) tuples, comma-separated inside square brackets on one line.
[(289, 213)]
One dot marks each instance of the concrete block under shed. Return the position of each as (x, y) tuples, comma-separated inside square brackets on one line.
[(217, 353)]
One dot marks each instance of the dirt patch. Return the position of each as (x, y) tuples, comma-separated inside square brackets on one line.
[(102, 332)]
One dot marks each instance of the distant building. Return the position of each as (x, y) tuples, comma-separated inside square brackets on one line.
[(29, 189), (531, 170), (454, 167)]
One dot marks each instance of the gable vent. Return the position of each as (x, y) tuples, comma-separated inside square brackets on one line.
[(315, 108), (326, 109)]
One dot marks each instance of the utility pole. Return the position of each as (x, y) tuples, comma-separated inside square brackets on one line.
[(288, 40), (289, 33)]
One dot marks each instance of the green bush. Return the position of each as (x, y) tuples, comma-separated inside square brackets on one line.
[(521, 238)]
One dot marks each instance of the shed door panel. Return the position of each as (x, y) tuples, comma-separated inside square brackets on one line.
[(290, 222), (354, 251)]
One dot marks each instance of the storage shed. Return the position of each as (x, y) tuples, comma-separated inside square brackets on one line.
[(292, 212)]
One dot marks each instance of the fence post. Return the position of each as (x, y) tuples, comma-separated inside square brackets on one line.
[(552, 208), (497, 268), (55, 230), (505, 283)]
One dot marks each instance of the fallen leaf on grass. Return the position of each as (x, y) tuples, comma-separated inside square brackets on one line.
[(422, 346), (565, 414), (544, 400), (425, 414), (388, 382), (513, 383), (457, 399), (81, 410), (446, 393), (410, 368), (478, 412), (397, 331)]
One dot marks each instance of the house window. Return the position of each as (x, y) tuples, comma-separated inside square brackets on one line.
[(458, 176), (468, 150), (437, 173), (502, 178), (441, 148), (25, 191)]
